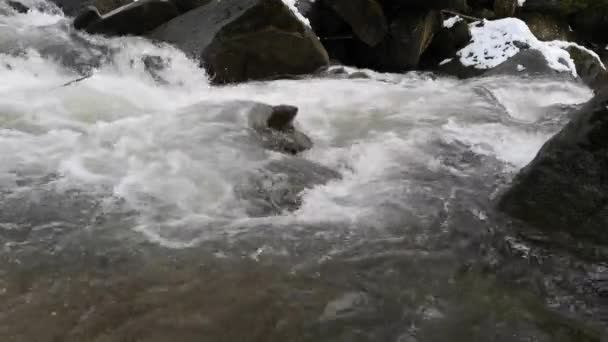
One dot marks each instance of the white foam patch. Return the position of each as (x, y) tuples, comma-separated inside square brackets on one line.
[(493, 42)]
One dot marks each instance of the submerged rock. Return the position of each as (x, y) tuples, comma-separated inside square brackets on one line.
[(565, 188), (245, 40), (278, 186), (135, 18)]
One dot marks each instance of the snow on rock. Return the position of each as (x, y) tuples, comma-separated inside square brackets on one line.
[(450, 22), (564, 45), (496, 41), (292, 5), (521, 3), (446, 61)]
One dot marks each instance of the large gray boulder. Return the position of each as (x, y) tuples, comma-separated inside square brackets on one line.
[(240, 40), (565, 188)]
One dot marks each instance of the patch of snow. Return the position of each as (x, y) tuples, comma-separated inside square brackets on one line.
[(449, 23), (564, 45), (521, 3), (292, 6), (520, 67), (494, 42), (446, 61)]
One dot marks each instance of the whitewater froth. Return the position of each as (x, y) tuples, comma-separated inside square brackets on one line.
[(158, 140)]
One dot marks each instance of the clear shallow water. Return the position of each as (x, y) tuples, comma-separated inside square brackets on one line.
[(120, 198)]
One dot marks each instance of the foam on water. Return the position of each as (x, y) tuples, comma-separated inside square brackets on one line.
[(172, 148)]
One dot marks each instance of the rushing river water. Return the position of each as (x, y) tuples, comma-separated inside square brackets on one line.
[(122, 214)]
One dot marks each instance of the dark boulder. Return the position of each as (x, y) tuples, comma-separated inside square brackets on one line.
[(275, 131), (106, 6), (395, 8), (592, 24), (588, 66), (504, 8), (409, 36), (87, 17), (453, 67), (365, 17), (240, 40), (135, 18), (73, 7), (17, 6), (547, 27), (188, 5), (565, 188), (554, 7), (446, 43)]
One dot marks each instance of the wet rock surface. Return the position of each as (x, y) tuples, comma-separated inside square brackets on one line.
[(239, 41), (568, 177)]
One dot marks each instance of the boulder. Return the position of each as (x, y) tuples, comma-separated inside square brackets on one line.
[(409, 36), (188, 5), (240, 40), (106, 6), (396, 8), (554, 7), (527, 62), (72, 8), (547, 27), (365, 17), (565, 188), (505, 8), (17, 6), (275, 131), (447, 41), (135, 18), (591, 24), (87, 17), (588, 66)]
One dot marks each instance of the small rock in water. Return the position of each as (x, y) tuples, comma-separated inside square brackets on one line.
[(282, 117), (348, 305), (275, 130)]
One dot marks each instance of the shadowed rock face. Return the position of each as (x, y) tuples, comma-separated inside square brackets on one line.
[(246, 40), (565, 188), (365, 17), (135, 19)]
